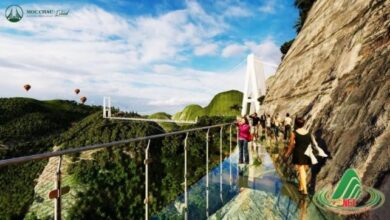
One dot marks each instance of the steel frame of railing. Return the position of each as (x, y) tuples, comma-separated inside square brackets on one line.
[(60, 153)]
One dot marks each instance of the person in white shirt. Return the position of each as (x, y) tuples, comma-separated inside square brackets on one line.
[(276, 126), (268, 125), (287, 126)]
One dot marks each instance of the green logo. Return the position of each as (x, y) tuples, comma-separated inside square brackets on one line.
[(14, 13), (349, 197)]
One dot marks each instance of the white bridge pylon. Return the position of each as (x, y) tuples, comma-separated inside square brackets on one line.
[(107, 114), (254, 85)]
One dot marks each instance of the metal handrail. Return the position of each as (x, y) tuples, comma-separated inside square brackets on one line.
[(46, 155), (153, 120)]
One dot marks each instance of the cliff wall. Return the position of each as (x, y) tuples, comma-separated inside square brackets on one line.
[(337, 75)]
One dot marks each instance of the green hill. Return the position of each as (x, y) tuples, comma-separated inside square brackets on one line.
[(166, 126), (190, 112), (111, 179), (30, 126), (160, 115), (223, 104)]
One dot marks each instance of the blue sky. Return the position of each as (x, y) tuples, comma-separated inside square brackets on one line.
[(149, 56)]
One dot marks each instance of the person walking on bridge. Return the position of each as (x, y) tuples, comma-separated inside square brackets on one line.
[(287, 127), (255, 125), (244, 138), (276, 123), (269, 129), (299, 141), (263, 119)]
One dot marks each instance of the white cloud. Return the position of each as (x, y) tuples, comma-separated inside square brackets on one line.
[(171, 102), (106, 54), (164, 69), (268, 7), (237, 11), (206, 49), (233, 50), (266, 50), (148, 38)]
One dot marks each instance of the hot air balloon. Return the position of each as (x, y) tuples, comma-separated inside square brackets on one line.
[(77, 91), (27, 87), (83, 99)]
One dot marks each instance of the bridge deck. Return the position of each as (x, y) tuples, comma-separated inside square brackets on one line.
[(264, 191)]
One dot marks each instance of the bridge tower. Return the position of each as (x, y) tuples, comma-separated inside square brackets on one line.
[(106, 107), (254, 85)]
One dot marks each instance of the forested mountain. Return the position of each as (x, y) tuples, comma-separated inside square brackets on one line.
[(106, 184), (30, 126), (113, 178)]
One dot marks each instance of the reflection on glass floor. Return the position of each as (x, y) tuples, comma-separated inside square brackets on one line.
[(265, 190)]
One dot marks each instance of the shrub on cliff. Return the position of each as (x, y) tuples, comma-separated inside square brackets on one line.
[(304, 7)]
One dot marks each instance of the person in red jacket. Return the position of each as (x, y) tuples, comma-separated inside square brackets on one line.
[(244, 137)]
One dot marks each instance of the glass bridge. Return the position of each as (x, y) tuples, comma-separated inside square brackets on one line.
[(261, 191), (265, 189)]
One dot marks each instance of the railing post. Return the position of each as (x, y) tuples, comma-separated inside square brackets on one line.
[(146, 162), (104, 107), (207, 173), (185, 179), (57, 204), (109, 107), (238, 146), (230, 157), (220, 161)]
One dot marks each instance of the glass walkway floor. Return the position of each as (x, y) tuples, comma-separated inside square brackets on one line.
[(262, 191)]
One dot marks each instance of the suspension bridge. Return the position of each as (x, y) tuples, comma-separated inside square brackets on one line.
[(254, 88)]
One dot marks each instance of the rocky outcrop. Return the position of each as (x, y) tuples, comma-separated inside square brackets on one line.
[(337, 75)]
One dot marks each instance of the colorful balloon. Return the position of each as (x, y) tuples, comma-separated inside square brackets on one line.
[(77, 91)]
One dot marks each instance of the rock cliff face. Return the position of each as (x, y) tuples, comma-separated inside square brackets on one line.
[(337, 75)]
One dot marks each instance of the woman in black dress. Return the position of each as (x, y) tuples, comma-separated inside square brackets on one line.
[(299, 141)]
